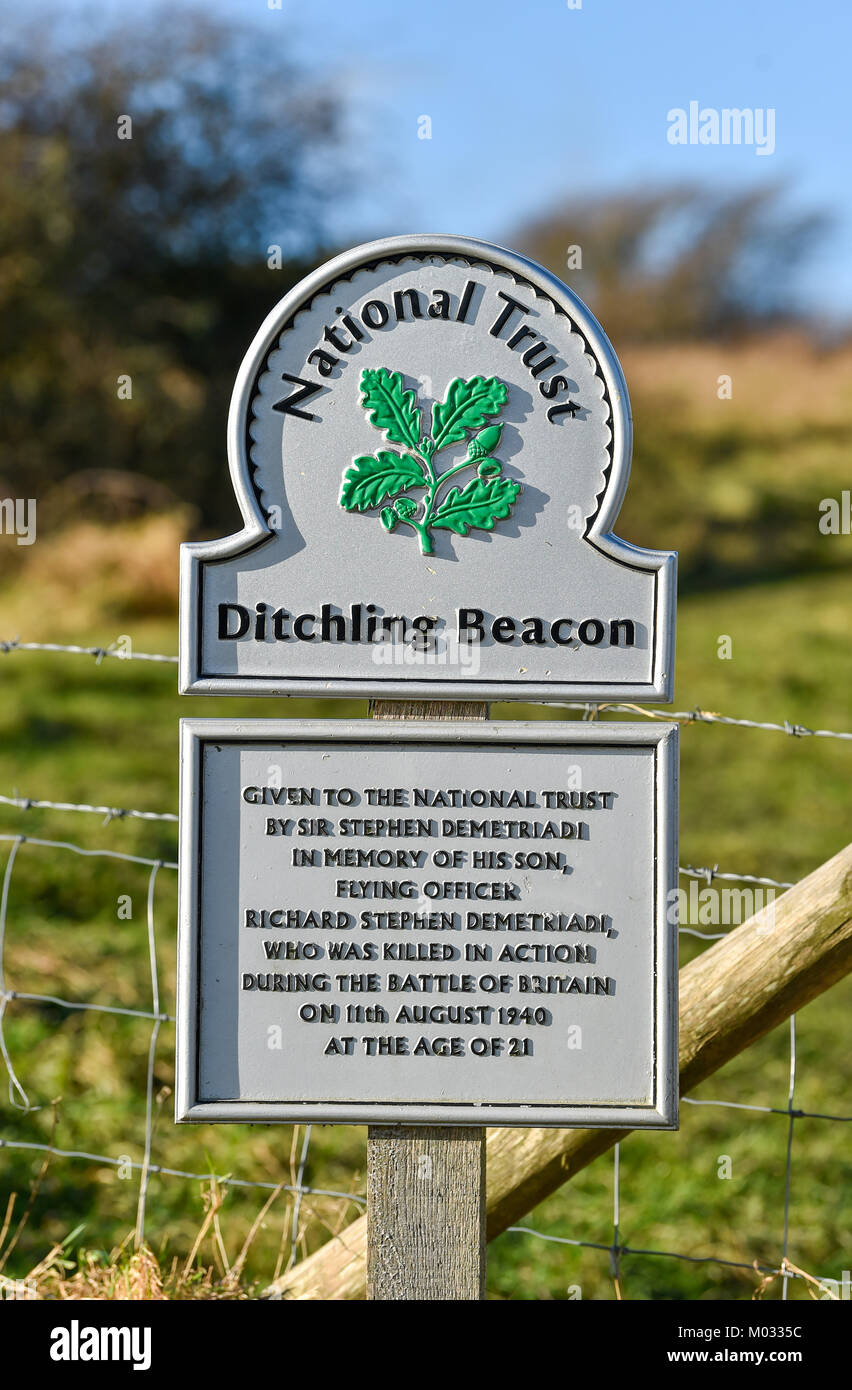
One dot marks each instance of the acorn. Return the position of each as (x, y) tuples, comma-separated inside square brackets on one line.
[(485, 442), (405, 507)]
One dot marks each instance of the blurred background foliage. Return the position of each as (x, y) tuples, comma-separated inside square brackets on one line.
[(681, 262), (151, 257), (147, 256)]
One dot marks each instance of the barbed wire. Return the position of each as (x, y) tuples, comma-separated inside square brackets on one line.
[(29, 803), (702, 716), (590, 709), (99, 653), (708, 874)]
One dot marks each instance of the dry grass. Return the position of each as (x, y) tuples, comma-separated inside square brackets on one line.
[(131, 1271), (88, 573), (776, 382), (135, 1276)]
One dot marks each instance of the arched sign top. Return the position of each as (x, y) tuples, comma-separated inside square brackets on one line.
[(429, 440)]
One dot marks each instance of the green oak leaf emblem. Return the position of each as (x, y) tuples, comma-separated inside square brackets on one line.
[(388, 477)]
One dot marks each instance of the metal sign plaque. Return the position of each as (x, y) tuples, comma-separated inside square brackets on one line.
[(429, 441), (429, 924)]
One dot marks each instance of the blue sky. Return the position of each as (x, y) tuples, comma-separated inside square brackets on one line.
[(534, 100)]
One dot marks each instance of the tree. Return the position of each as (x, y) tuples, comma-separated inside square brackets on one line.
[(678, 262), (137, 249)]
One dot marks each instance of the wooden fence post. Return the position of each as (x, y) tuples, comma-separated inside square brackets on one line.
[(426, 1183), (730, 995)]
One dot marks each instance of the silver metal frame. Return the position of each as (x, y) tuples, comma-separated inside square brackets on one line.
[(662, 1114), (256, 530)]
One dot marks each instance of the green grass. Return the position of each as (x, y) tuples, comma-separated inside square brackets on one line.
[(752, 802)]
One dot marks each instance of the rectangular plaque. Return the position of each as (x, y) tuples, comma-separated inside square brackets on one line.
[(430, 924)]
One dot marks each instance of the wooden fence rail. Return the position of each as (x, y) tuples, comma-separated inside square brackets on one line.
[(731, 995)]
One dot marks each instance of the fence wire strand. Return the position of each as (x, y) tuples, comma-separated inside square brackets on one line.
[(589, 709), (703, 716), (99, 653), (152, 1048), (29, 803)]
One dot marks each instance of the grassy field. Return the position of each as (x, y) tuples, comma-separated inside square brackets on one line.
[(752, 802)]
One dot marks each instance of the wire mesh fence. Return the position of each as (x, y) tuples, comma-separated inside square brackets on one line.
[(151, 1012)]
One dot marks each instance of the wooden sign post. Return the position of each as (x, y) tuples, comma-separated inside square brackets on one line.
[(425, 1213), (426, 1183), (427, 922)]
